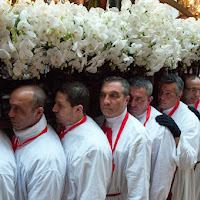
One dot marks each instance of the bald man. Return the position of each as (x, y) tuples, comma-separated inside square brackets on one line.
[(38, 151)]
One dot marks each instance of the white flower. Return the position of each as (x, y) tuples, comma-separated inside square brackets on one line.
[(19, 69), (4, 54)]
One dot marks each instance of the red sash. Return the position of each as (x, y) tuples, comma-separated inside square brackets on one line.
[(196, 104), (148, 115), (15, 140), (72, 127), (174, 109), (113, 195), (106, 130)]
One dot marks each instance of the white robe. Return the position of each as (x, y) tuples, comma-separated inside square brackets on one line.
[(197, 168), (187, 151), (132, 158), (162, 157), (41, 164), (89, 162), (7, 169), (197, 171)]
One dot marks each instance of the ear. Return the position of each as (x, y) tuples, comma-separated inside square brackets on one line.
[(180, 95), (40, 112), (150, 99), (127, 98), (79, 109)]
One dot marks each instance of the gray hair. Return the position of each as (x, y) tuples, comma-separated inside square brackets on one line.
[(173, 78), (141, 82), (124, 83)]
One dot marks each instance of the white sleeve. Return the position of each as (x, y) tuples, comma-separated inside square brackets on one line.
[(89, 177), (138, 170), (46, 186), (7, 187), (162, 165), (187, 150)]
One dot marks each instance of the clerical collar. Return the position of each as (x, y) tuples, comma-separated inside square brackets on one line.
[(168, 110), (118, 119), (69, 126), (33, 131), (142, 117)]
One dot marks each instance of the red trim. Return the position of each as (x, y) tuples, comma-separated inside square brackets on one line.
[(196, 165), (148, 115), (15, 140), (170, 191), (196, 104), (113, 195), (72, 127), (120, 130), (118, 135), (174, 109)]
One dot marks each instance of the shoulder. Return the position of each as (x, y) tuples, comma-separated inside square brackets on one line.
[(183, 112), (7, 159), (135, 130), (46, 150)]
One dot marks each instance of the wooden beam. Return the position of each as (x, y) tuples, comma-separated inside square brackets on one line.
[(179, 7)]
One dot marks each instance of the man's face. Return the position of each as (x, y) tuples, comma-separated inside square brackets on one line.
[(63, 110), (21, 113), (112, 100), (139, 101), (191, 93), (167, 97)]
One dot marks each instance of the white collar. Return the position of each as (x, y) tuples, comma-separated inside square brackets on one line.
[(69, 126), (33, 131), (168, 110), (142, 117), (118, 119)]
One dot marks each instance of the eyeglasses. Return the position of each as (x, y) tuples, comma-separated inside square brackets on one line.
[(193, 89)]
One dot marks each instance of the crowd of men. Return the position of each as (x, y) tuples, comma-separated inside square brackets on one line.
[(131, 152)]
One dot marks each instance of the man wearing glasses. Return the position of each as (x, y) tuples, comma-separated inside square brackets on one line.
[(191, 97), (191, 92)]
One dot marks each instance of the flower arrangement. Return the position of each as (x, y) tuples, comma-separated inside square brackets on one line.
[(36, 37)]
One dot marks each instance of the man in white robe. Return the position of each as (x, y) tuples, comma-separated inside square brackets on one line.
[(39, 154), (87, 151), (163, 145), (129, 142), (191, 97), (170, 92), (191, 92), (7, 169)]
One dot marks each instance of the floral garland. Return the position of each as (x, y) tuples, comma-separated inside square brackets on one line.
[(36, 37)]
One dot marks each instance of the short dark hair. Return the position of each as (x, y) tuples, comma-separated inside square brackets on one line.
[(189, 77), (124, 83), (173, 78), (141, 82), (77, 94)]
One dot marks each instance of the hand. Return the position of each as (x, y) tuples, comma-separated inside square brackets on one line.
[(195, 111), (168, 122)]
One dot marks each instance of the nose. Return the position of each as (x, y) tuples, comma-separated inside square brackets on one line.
[(54, 109), (133, 103), (106, 100), (11, 113), (160, 96)]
